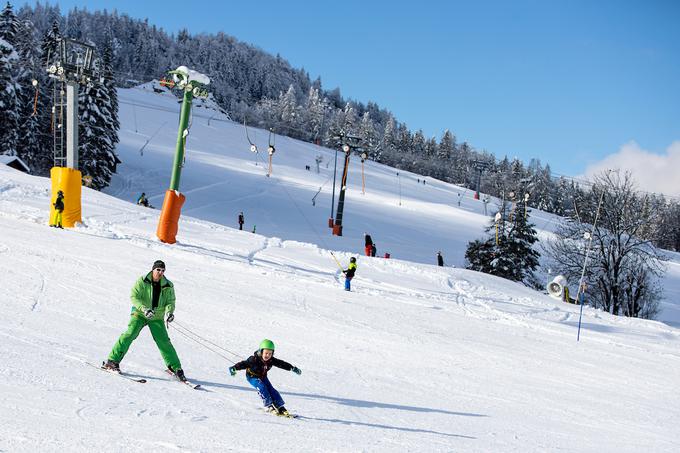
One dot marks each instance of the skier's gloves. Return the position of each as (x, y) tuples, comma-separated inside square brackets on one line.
[(171, 317), (149, 314), (232, 371), (296, 370)]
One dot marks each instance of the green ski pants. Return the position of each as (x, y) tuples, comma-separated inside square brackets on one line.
[(159, 334)]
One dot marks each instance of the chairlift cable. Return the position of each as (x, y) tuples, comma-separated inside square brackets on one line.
[(302, 214)]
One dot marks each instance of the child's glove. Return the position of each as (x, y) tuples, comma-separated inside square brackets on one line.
[(149, 314), (232, 371), (296, 370), (171, 317)]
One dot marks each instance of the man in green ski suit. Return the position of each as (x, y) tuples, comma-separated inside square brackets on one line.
[(153, 297)]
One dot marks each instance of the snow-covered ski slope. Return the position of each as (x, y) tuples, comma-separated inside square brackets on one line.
[(415, 358), (220, 178)]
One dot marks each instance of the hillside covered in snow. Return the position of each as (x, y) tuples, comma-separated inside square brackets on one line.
[(409, 216), (416, 358)]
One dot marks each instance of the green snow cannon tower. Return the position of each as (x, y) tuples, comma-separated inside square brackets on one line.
[(194, 85)]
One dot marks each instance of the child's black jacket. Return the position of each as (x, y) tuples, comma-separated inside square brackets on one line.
[(255, 366)]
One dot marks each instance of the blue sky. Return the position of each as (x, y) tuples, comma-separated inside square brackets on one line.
[(569, 82)]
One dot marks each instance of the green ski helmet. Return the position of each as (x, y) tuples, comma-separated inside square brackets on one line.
[(266, 344)]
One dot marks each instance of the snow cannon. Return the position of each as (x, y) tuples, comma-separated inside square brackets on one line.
[(193, 84), (557, 286)]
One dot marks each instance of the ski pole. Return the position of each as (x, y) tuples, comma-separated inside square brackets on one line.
[(336, 260)]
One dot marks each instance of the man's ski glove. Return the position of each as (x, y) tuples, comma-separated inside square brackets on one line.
[(171, 317), (296, 370), (232, 371), (149, 314)]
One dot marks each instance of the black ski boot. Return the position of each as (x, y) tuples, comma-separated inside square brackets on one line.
[(271, 409), (111, 366), (283, 411), (179, 374)]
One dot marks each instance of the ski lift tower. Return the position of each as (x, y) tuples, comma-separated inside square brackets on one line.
[(192, 84), (481, 167), (71, 64), (348, 144)]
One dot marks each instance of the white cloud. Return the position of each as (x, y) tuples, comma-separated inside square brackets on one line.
[(658, 173)]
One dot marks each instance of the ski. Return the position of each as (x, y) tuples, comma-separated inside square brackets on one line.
[(117, 373), (187, 382)]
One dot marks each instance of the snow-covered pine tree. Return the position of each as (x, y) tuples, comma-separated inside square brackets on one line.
[(96, 141), (446, 147), (431, 148), (519, 246), (109, 83), (386, 151), (35, 140), (288, 113), (418, 145), (9, 89), (367, 132), (335, 129), (313, 114), (488, 255), (512, 256), (351, 121)]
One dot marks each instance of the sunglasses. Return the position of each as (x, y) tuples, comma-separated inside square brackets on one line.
[(158, 269)]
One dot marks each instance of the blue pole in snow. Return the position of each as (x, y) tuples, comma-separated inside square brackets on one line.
[(581, 286), (580, 301)]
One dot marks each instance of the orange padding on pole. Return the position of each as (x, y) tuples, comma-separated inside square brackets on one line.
[(168, 224), (68, 181)]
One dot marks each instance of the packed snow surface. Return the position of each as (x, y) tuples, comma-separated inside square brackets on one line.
[(416, 358)]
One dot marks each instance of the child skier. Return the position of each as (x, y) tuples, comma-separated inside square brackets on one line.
[(349, 272), (58, 210), (142, 200), (256, 367)]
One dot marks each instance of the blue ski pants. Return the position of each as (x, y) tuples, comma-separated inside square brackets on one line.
[(266, 391), (347, 285)]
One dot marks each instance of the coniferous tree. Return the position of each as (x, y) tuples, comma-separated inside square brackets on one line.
[(508, 250), (34, 144), (9, 89), (97, 131), (367, 132), (489, 255)]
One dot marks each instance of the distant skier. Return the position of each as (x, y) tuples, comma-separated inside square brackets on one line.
[(374, 250), (368, 244), (256, 367), (153, 298), (440, 259), (349, 272), (142, 200), (241, 221), (58, 210)]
